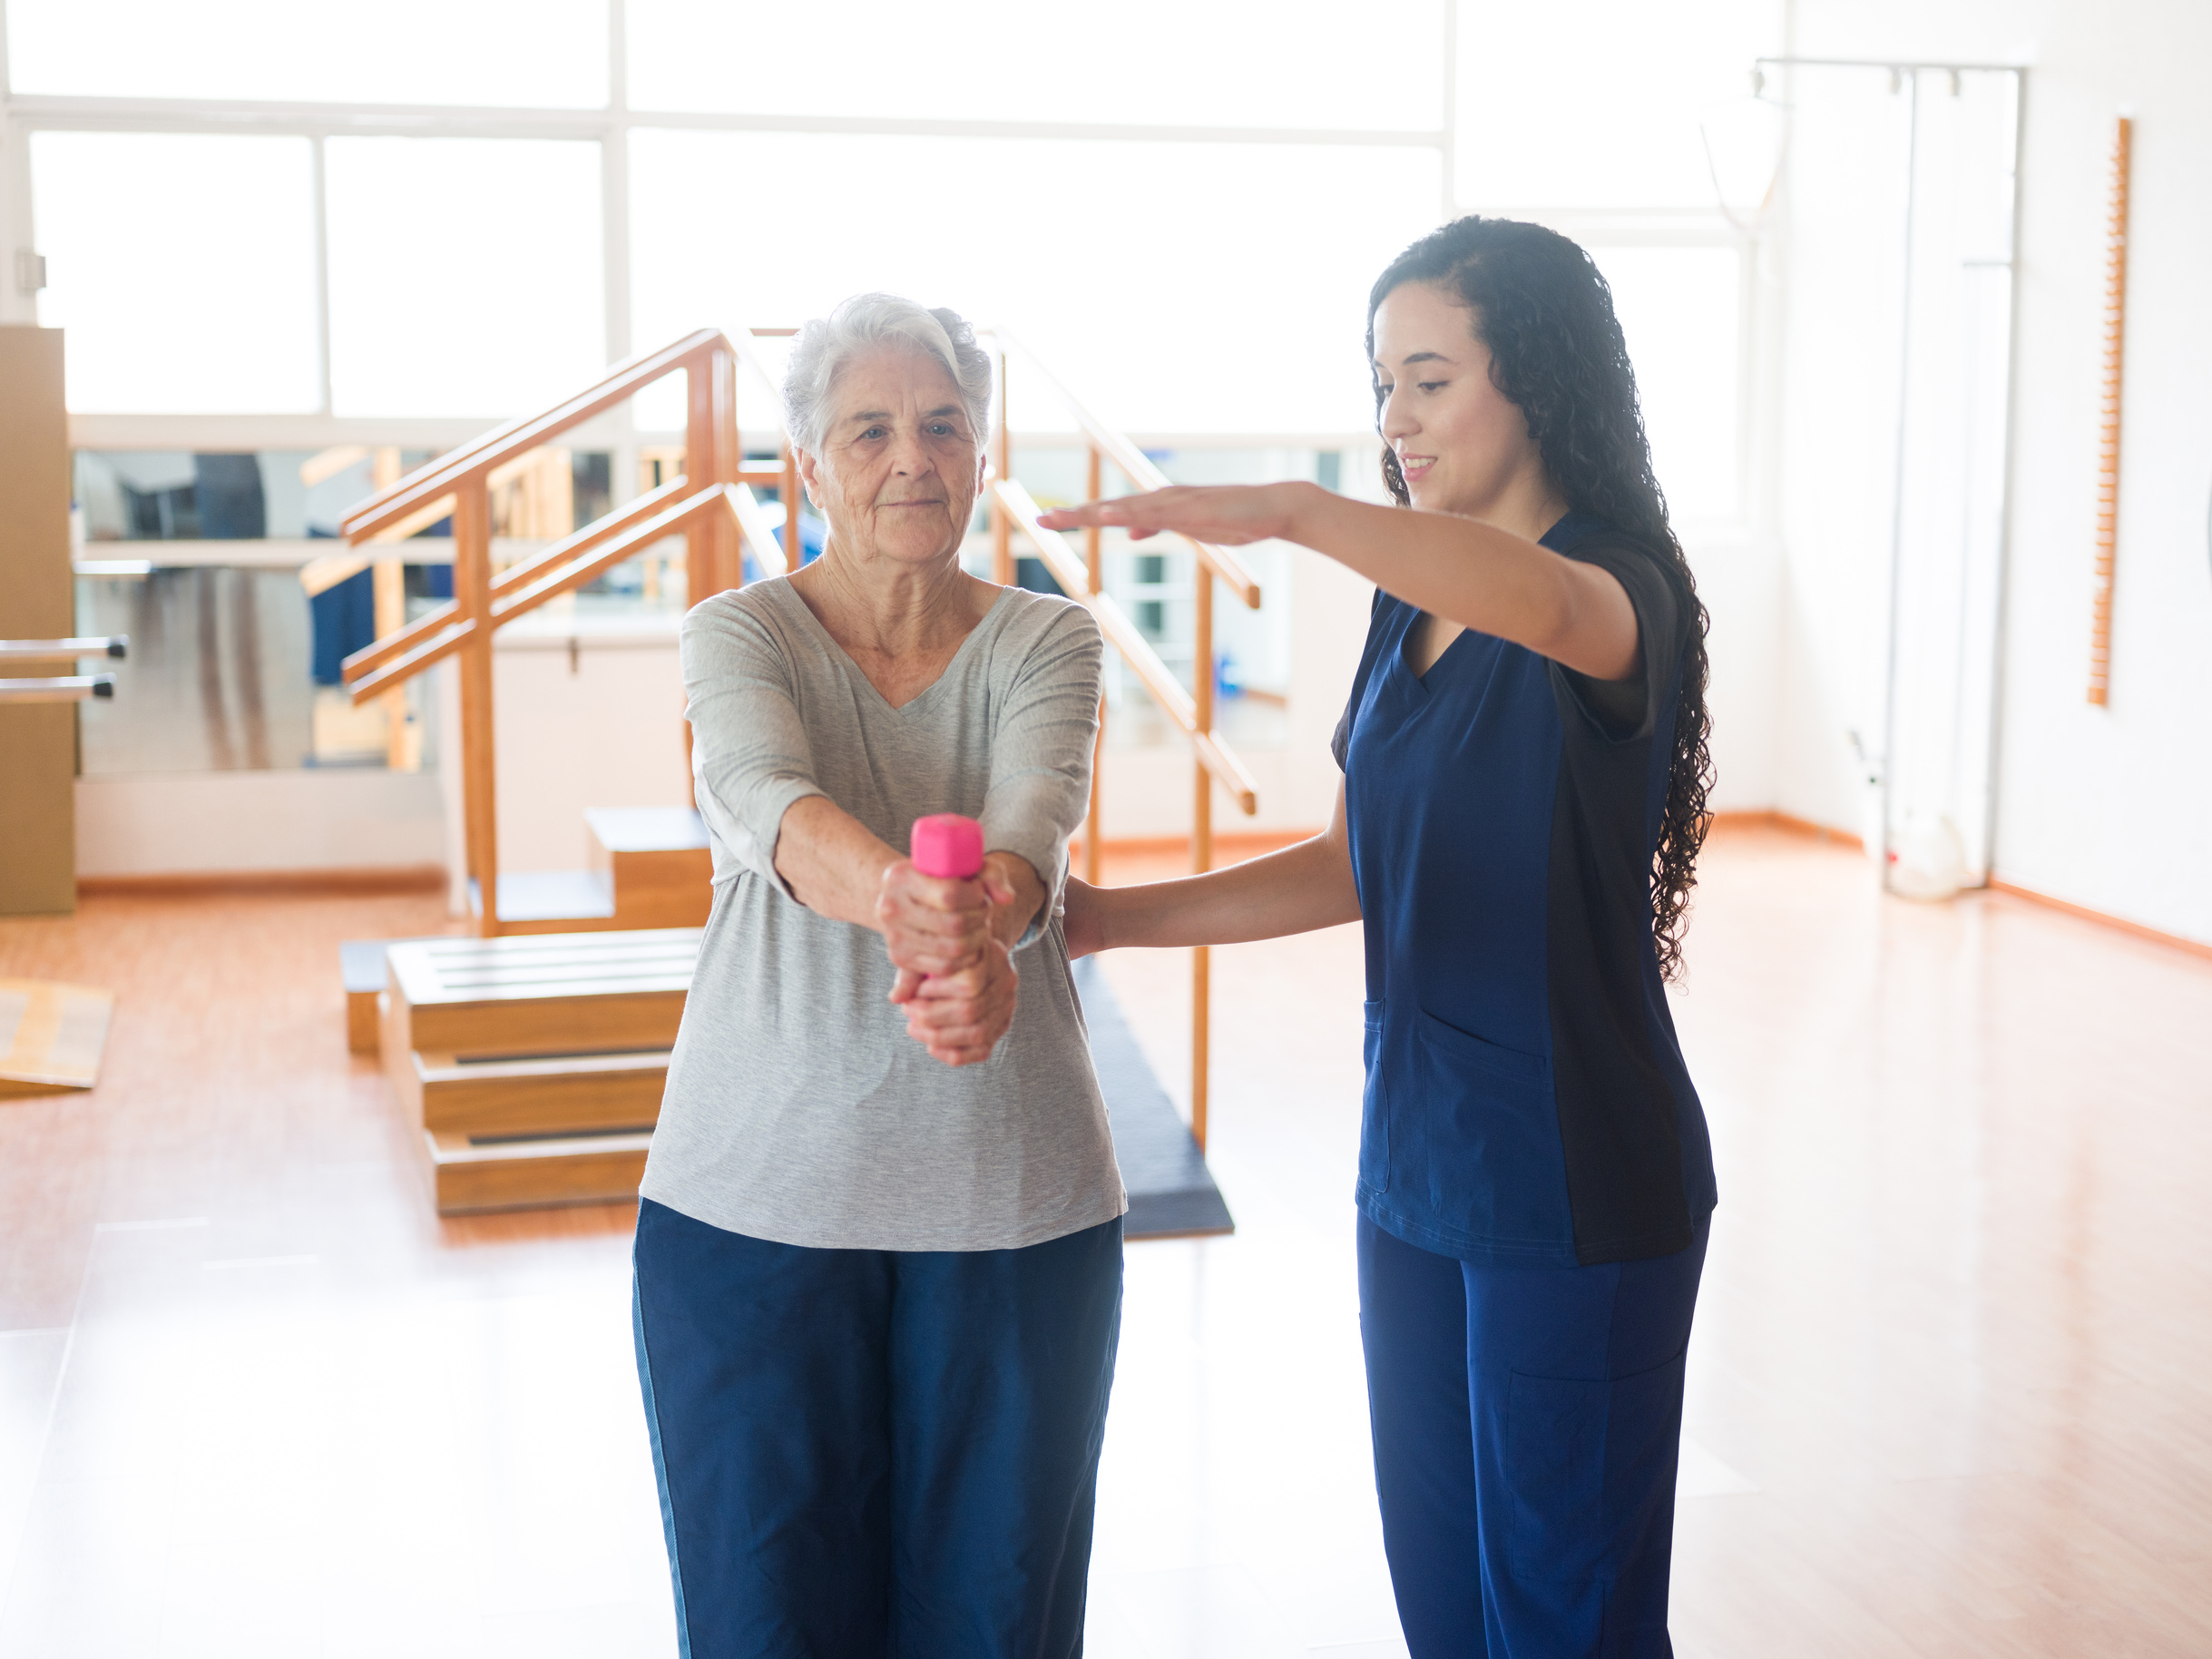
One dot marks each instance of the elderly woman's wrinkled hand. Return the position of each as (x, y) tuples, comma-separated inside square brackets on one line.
[(960, 1018), (932, 926)]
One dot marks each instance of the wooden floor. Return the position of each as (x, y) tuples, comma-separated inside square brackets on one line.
[(1950, 1387)]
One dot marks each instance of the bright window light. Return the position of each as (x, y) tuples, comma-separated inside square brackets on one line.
[(1289, 63), (1682, 310), (183, 269), (465, 274), (1596, 104), (550, 54), (1188, 288)]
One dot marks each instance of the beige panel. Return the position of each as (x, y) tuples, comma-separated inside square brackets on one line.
[(38, 743)]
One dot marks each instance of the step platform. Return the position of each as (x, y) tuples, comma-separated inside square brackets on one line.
[(532, 1069), (51, 1035), (533, 1066), (644, 868)]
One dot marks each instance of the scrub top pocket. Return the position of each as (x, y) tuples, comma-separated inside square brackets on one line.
[(1489, 1160)]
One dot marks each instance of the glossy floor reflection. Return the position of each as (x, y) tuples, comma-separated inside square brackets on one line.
[(1950, 1390)]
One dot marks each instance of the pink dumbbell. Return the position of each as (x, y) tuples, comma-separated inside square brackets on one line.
[(947, 845)]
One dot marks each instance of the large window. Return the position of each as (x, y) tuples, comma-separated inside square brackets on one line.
[(182, 266), (466, 274), (549, 54), (1236, 301), (1292, 64)]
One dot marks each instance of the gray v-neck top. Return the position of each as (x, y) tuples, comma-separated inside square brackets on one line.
[(797, 1108)]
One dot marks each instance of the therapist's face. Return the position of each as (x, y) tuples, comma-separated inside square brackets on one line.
[(1462, 445), (899, 467)]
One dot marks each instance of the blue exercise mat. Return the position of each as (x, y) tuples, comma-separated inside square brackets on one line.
[(1170, 1190)]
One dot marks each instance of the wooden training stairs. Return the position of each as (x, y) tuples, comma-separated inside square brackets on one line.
[(644, 866), (531, 1066)]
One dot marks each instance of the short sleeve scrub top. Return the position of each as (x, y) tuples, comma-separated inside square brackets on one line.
[(1526, 1100)]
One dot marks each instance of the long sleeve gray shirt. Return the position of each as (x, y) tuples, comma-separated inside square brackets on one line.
[(797, 1108)]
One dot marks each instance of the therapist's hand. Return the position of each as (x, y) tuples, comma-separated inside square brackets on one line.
[(960, 1018), (1230, 514)]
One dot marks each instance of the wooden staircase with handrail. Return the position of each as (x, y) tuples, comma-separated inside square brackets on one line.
[(530, 1060)]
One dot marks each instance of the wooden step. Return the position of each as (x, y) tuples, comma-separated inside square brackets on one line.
[(470, 1175), (361, 967), (655, 862), (582, 993), (51, 1035), (550, 901), (542, 1095)]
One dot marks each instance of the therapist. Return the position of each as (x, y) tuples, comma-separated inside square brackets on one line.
[(1525, 776)]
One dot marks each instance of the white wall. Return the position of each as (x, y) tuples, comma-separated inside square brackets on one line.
[(2104, 807), (601, 726), (199, 823)]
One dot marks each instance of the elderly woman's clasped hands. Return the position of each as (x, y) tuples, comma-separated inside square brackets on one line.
[(956, 978)]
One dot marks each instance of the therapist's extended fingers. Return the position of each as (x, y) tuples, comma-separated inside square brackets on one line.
[(1230, 514), (931, 925)]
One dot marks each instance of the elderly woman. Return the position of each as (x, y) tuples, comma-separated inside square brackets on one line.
[(878, 1264)]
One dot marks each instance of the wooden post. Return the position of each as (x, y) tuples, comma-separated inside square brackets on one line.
[(389, 586), (703, 575), (1002, 525), (2108, 444), (728, 461), (472, 588), (1201, 837), (1093, 823)]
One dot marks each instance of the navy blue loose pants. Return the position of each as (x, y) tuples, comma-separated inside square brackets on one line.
[(872, 1453), (1527, 1425)]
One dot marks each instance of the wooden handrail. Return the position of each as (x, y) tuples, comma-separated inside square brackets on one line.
[(452, 630), (428, 485), (1137, 468), (619, 520), (1127, 638), (753, 524)]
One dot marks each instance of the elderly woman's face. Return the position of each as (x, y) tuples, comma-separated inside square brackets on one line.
[(899, 467)]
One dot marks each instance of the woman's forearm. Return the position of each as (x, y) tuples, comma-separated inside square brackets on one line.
[(833, 864), (1479, 576), (1295, 890)]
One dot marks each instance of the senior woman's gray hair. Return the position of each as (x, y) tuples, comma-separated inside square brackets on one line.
[(867, 320)]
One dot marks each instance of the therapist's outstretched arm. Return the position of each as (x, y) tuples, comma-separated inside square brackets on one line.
[(1461, 569), (1295, 890)]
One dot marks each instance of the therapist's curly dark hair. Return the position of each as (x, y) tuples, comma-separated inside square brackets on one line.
[(1542, 306)]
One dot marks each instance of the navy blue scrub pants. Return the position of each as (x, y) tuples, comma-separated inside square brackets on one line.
[(1527, 1426), (878, 1453)]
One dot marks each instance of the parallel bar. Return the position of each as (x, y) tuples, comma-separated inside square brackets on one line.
[(102, 645), (1134, 465), (62, 688)]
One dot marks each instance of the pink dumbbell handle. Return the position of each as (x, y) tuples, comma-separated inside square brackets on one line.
[(947, 845)]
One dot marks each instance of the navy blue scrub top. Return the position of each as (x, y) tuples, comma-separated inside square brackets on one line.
[(1526, 1100)]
